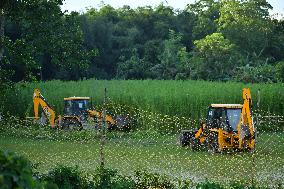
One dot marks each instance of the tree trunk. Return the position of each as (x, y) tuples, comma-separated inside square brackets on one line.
[(2, 20)]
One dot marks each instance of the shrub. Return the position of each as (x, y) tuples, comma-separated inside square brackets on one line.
[(280, 71), (209, 185), (145, 180), (264, 74), (239, 185), (16, 172), (110, 179), (66, 178)]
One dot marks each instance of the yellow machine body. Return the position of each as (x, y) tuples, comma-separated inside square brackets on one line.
[(77, 110), (228, 126)]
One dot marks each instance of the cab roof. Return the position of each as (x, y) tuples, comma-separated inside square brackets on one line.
[(226, 105), (77, 98)]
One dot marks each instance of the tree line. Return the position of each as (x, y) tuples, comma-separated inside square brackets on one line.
[(208, 40)]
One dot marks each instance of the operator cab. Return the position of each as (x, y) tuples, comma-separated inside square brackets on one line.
[(76, 106), (225, 116)]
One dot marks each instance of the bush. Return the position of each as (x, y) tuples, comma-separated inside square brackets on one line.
[(145, 180), (16, 172), (239, 185), (71, 178), (260, 74), (66, 178), (209, 185), (280, 71), (110, 179)]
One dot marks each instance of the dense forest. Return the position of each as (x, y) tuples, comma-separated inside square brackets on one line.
[(208, 40)]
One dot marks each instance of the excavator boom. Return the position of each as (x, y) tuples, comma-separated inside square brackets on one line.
[(246, 120), (246, 110), (38, 99)]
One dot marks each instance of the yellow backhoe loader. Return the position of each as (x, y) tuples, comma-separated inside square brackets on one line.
[(228, 126), (77, 114)]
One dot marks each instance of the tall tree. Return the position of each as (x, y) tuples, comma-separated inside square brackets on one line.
[(57, 38), (7, 9), (247, 24), (2, 20), (171, 56), (214, 58), (133, 68), (206, 12)]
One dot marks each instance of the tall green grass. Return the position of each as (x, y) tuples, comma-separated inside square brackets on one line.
[(175, 98)]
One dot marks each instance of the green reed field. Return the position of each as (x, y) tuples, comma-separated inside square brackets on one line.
[(180, 98)]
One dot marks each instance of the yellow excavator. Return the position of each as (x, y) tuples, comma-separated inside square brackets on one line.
[(77, 114), (227, 127)]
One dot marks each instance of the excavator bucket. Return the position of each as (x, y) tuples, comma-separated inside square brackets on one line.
[(118, 122)]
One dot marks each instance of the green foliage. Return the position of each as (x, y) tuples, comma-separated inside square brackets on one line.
[(17, 127), (206, 12), (128, 43), (234, 185), (131, 68), (110, 179), (214, 57), (146, 179), (188, 99), (58, 40), (22, 64), (48, 41), (265, 74), (239, 185), (280, 71), (276, 41), (246, 24), (66, 178), (173, 58), (209, 185), (16, 172), (5, 84)]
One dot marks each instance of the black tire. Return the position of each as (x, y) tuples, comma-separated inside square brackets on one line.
[(72, 125), (185, 138), (195, 144), (122, 123), (213, 145)]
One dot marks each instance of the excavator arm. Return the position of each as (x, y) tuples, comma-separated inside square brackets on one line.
[(246, 117), (38, 99)]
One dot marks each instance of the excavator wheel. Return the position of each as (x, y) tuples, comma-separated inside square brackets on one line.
[(185, 138), (122, 123), (195, 144), (72, 125), (213, 145)]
